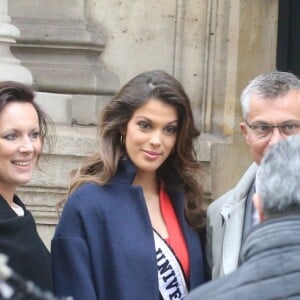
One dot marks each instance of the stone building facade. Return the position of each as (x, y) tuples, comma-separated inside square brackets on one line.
[(77, 53)]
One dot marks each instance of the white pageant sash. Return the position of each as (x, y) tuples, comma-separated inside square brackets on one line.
[(171, 281)]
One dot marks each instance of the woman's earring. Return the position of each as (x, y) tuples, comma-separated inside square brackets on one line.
[(122, 141)]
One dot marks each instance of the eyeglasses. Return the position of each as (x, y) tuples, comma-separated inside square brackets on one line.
[(263, 130)]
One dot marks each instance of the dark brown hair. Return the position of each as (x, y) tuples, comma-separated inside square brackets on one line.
[(182, 163), (12, 91)]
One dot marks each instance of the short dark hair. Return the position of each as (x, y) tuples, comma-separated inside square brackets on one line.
[(12, 91)]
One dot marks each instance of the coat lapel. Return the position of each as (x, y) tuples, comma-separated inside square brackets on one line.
[(233, 214), (192, 241), (5, 211)]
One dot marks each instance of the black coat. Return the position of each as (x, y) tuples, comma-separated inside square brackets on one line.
[(270, 266), (20, 241)]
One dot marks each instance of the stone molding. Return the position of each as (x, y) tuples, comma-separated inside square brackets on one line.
[(64, 56), (10, 66), (61, 44)]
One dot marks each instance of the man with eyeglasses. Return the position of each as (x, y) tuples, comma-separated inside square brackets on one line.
[(271, 112), (270, 258)]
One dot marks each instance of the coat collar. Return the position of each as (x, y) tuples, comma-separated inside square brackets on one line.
[(233, 213), (240, 192), (126, 172), (276, 233), (6, 212)]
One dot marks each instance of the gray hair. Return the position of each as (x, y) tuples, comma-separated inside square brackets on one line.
[(268, 86), (278, 177)]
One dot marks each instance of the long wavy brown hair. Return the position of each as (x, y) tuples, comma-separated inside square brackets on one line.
[(182, 162)]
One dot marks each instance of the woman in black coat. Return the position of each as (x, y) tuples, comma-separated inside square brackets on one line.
[(23, 129)]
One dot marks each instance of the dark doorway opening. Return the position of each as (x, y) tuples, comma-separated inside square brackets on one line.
[(288, 41)]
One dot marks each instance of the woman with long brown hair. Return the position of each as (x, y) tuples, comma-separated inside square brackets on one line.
[(128, 229)]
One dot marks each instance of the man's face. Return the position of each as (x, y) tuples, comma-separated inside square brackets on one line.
[(281, 110)]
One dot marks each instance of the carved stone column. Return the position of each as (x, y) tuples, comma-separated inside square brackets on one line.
[(10, 66), (61, 45)]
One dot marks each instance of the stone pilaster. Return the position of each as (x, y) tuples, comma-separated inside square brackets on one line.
[(10, 66), (61, 45)]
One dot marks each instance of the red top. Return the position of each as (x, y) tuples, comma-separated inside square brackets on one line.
[(176, 239)]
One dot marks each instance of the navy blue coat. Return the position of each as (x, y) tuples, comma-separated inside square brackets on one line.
[(103, 247)]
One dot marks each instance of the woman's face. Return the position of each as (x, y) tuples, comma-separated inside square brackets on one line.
[(20, 144), (151, 135)]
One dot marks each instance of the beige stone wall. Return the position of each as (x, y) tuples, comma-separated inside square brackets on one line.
[(76, 51), (214, 47)]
